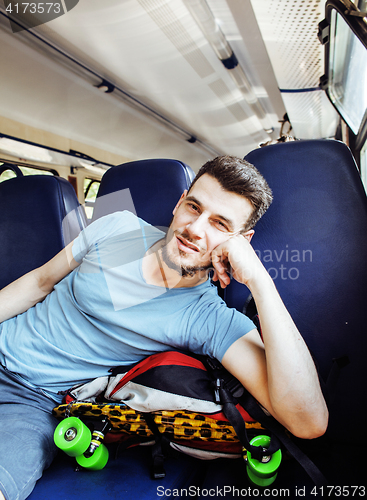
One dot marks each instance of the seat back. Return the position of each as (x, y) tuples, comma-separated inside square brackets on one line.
[(39, 215), (148, 188), (313, 241)]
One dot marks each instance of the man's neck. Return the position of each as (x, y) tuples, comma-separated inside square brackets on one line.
[(157, 272)]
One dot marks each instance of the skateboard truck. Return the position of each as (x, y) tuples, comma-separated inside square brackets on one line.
[(97, 436)]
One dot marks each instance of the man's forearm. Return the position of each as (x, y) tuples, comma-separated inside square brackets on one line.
[(20, 295), (34, 286)]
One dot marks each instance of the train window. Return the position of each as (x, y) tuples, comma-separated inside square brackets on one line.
[(8, 174), (91, 187), (347, 72), (343, 32)]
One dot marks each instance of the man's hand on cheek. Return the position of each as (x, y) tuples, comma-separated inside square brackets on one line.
[(221, 267), (236, 257)]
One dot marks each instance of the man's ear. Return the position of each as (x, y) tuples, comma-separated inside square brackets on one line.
[(183, 196), (249, 234)]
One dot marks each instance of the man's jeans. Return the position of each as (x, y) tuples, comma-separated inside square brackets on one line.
[(26, 435)]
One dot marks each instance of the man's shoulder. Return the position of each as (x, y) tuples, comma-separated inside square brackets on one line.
[(207, 295), (210, 300), (117, 223), (121, 217)]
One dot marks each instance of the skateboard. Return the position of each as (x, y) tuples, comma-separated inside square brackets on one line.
[(84, 426)]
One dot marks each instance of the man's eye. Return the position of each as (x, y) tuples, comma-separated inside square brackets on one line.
[(221, 226), (194, 207)]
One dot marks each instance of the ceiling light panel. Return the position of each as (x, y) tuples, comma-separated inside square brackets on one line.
[(171, 25)]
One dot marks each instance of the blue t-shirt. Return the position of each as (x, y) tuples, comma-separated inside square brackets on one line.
[(104, 314)]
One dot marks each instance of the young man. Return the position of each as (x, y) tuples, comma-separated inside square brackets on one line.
[(124, 290)]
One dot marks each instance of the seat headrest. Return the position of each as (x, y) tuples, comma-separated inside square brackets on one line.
[(148, 188)]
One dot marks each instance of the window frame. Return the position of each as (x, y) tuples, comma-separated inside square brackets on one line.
[(14, 165)]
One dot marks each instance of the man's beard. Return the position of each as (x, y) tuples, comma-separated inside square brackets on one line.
[(182, 269)]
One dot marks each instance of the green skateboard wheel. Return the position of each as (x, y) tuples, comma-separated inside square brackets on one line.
[(72, 436), (97, 461), (263, 473)]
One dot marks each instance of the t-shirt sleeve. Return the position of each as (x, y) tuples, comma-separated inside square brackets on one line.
[(216, 327), (102, 229)]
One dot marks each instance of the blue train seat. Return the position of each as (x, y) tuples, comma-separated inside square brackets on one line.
[(39, 215), (313, 241)]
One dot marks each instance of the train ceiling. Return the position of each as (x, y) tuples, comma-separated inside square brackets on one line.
[(185, 79)]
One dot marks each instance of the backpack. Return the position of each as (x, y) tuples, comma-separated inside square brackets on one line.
[(174, 400)]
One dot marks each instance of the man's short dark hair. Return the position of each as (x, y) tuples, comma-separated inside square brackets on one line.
[(240, 177)]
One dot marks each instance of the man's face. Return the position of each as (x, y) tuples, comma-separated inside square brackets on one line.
[(203, 218)]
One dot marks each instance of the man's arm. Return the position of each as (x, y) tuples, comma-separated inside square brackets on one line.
[(33, 287), (280, 374)]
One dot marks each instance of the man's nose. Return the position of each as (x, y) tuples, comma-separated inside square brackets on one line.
[(197, 227)]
